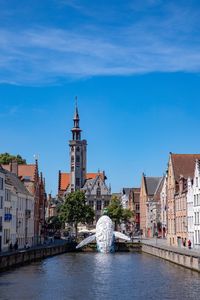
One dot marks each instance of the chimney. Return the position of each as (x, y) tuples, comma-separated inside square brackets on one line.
[(14, 167)]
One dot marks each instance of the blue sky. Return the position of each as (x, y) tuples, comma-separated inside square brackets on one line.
[(134, 66)]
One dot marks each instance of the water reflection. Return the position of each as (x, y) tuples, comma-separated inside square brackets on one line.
[(97, 276)]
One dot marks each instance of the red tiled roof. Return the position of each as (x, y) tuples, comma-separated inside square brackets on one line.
[(184, 164), (93, 175), (24, 170), (65, 179)]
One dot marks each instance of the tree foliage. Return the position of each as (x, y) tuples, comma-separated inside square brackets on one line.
[(75, 210), (117, 213), (54, 224), (6, 158)]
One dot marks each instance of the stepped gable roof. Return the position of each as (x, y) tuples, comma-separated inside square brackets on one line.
[(24, 171), (184, 164), (14, 181), (152, 184)]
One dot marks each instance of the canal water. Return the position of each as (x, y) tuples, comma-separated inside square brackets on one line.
[(94, 276)]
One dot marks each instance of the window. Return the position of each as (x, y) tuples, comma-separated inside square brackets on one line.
[(106, 203), (77, 158), (91, 203), (77, 149), (72, 168), (1, 183), (72, 159), (98, 204), (98, 192), (196, 181), (0, 224), (7, 195), (77, 181), (137, 206), (1, 202), (6, 236)]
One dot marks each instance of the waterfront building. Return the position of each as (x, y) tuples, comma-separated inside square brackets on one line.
[(134, 206), (78, 178), (150, 206), (190, 211), (53, 204), (196, 206), (18, 212), (163, 202), (98, 194), (180, 168), (125, 196), (35, 184), (2, 200)]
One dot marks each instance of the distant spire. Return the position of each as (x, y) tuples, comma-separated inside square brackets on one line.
[(76, 115), (76, 131)]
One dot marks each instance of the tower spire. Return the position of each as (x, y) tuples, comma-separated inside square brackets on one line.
[(76, 131), (76, 115)]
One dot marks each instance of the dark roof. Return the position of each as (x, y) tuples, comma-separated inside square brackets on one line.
[(184, 164), (152, 184), (126, 191), (13, 180)]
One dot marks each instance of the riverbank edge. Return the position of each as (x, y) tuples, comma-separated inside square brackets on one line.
[(23, 257), (188, 261)]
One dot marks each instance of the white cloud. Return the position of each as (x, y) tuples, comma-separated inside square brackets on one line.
[(43, 55)]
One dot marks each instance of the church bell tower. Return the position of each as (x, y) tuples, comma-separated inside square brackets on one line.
[(78, 150)]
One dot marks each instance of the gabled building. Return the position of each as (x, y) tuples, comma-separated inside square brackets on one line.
[(196, 206), (35, 184), (180, 169), (98, 194), (2, 200), (163, 203), (18, 212), (150, 205)]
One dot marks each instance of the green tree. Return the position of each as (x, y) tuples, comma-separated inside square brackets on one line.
[(54, 224), (75, 210), (6, 158), (117, 213)]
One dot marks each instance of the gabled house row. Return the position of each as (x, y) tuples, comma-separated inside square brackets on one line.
[(22, 205), (170, 206)]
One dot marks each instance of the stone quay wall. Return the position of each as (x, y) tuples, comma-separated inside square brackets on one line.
[(186, 260), (21, 257)]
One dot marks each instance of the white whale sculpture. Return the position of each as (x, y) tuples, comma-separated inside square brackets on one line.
[(105, 236)]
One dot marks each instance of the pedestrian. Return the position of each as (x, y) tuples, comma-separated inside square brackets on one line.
[(11, 246), (189, 244), (16, 245)]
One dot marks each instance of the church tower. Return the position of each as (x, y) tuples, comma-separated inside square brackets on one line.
[(78, 150)]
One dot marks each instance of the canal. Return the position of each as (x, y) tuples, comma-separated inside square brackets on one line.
[(94, 276)]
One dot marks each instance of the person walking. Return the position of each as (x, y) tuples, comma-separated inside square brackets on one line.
[(189, 244)]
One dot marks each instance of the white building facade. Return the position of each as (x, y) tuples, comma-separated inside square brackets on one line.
[(196, 207), (98, 194), (18, 213), (2, 199), (163, 208), (190, 211)]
